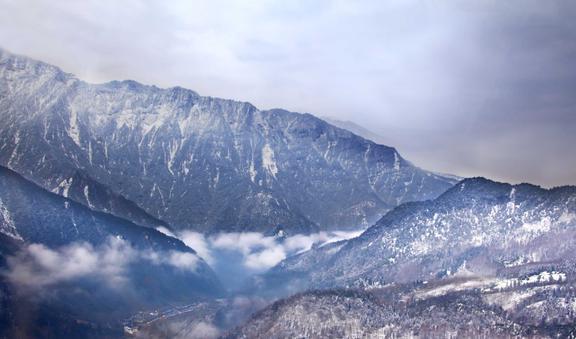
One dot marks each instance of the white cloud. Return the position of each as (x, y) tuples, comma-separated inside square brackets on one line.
[(245, 243), (299, 243), (195, 240), (198, 242), (182, 260), (259, 252), (37, 266), (266, 258)]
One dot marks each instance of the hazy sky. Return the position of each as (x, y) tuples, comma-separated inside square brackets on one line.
[(484, 87)]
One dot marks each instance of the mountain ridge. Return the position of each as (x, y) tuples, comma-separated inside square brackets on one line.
[(479, 226), (198, 162)]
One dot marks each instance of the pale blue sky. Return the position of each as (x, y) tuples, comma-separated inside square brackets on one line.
[(468, 87)]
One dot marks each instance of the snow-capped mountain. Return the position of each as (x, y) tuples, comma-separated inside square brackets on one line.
[(477, 228), (195, 162)]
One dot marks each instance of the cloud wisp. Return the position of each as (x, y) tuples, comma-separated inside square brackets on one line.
[(194, 240), (37, 266), (258, 251)]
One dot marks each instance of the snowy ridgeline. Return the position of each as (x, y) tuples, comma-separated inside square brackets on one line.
[(195, 162), (478, 228)]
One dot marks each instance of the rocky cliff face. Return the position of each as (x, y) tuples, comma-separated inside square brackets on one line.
[(195, 162)]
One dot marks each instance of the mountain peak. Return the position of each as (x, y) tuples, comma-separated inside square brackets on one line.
[(22, 65)]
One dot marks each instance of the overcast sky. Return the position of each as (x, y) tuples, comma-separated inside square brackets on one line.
[(484, 87)]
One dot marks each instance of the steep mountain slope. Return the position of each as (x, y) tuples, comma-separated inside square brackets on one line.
[(89, 265), (478, 227), (407, 312), (195, 162), (31, 214)]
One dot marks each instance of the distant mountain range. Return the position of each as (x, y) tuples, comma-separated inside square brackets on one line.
[(153, 155)]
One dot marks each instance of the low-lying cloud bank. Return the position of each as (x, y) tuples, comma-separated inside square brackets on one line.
[(259, 252), (38, 266)]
